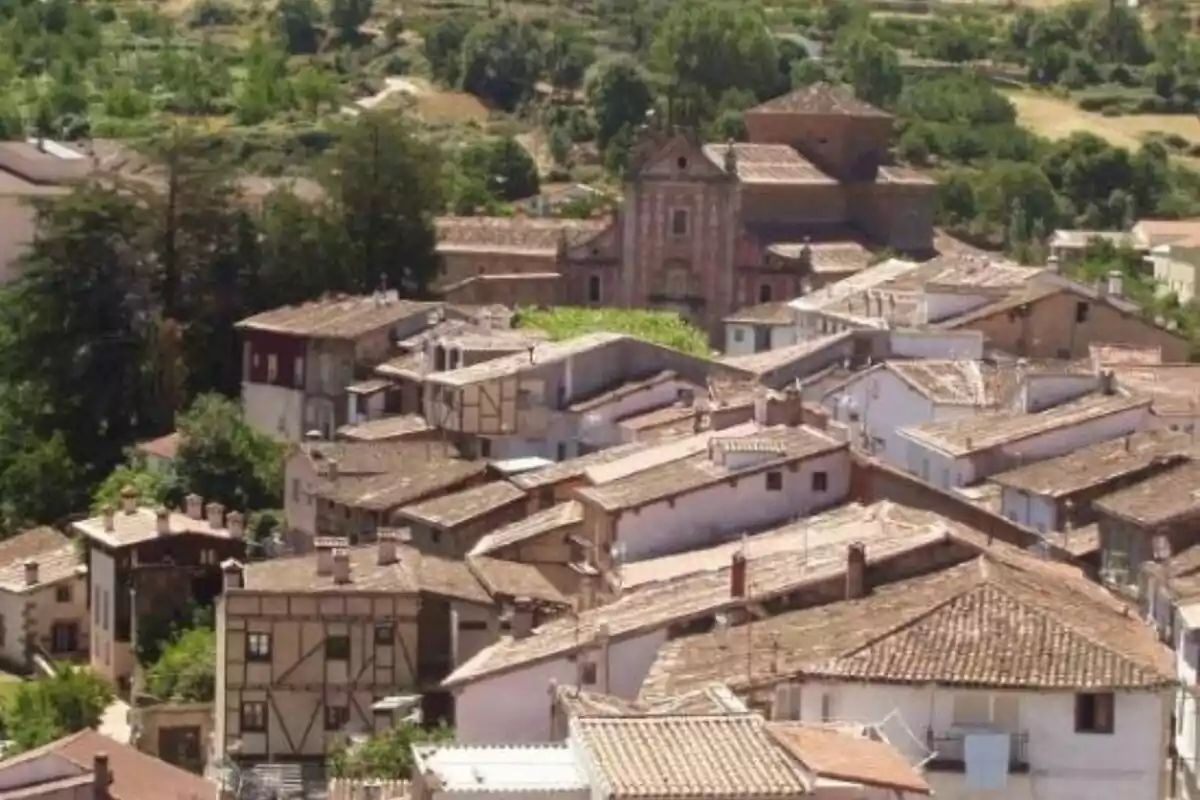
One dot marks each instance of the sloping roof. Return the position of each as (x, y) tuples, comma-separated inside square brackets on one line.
[(336, 318), (386, 428), (1174, 389), (763, 314), (966, 382), (141, 525), (1131, 354), (519, 235), (769, 360), (503, 770), (389, 490), (819, 98), (974, 434), (1098, 464), (457, 508), (135, 775), (543, 353), (833, 754), (708, 700), (547, 583), (720, 756), (539, 523), (574, 468), (1172, 495), (164, 447), (768, 164), (984, 623)]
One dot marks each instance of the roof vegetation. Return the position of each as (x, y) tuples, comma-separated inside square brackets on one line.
[(661, 327)]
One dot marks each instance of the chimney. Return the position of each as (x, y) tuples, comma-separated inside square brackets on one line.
[(520, 618), (195, 506), (737, 575), (107, 517), (31, 572), (856, 571), (325, 546), (1116, 284), (231, 571), (162, 522), (100, 776), (236, 522), (387, 547), (216, 515), (129, 499), (1108, 382), (341, 565), (331, 469)]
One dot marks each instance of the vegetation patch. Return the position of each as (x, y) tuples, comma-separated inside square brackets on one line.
[(661, 327)]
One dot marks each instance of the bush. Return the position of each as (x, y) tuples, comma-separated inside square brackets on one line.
[(661, 327), (186, 670)]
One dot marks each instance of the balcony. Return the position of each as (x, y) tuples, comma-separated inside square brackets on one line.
[(950, 748)]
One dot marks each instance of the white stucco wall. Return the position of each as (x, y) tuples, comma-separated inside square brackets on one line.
[(1064, 765), (939, 344), (274, 410), (740, 338), (1030, 510), (514, 707), (718, 513), (936, 307), (12, 608)]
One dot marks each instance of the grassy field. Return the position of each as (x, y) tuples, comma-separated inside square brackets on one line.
[(1058, 118)]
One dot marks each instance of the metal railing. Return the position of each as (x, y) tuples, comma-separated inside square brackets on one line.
[(949, 749)]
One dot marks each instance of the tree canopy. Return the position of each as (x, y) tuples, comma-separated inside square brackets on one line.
[(40, 711)]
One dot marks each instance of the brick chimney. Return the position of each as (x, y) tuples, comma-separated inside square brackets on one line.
[(216, 515), (231, 574), (341, 565), (162, 522), (331, 469), (856, 571), (101, 778), (195, 506), (129, 499), (31, 572), (107, 518), (737, 575), (236, 522), (387, 547), (520, 618)]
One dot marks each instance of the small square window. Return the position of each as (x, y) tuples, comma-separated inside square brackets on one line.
[(258, 647), (485, 448), (62, 594), (679, 222), (337, 648), (587, 673), (739, 335), (336, 717), (1094, 713), (385, 633), (775, 481), (254, 717), (820, 481)]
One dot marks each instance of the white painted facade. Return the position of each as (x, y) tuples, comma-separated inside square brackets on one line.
[(275, 410), (948, 471), (744, 339), (1179, 624), (109, 657), (1031, 510), (936, 344), (1061, 763), (720, 511), (515, 707)]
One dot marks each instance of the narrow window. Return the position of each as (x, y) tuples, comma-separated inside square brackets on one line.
[(1094, 713), (272, 368), (679, 222), (1081, 312), (764, 293), (593, 289), (774, 481), (258, 647), (587, 673), (254, 717), (739, 335)]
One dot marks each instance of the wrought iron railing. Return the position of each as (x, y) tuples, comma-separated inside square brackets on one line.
[(949, 749)]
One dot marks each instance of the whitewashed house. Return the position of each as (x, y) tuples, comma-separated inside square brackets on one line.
[(960, 452), (768, 326), (1008, 677)]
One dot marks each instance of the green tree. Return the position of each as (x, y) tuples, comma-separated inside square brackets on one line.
[(501, 59), (505, 167), (567, 57), (223, 459), (348, 15), (619, 92), (387, 755), (47, 709), (186, 670), (871, 66), (154, 487), (443, 47), (383, 184), (297, 21)]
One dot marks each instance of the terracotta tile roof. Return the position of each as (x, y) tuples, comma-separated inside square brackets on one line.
[(30, 544), (1173, 495), (965, 271), (368, 458), (52, 566), (540, 523), (984, 623), (832, 295), (555, 584), (834, 755), (454, 509), (1098, 464), (390, 490), (336, 318), (574, 468), (164, 447), (532, 236), (660, 757), (1133, 355), (770, 360), (680, 598), (975, 434), (1174, 389), (763, 314), (135, 775), (1179, 575), (385, 428), (412, 572), (706, 701), (544, 353), (968, 382), (819, 98), (697, 472), (768, 164), (141, 525)]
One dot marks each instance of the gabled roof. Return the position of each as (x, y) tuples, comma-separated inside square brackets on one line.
[(337, 317), (820, 98), (548, 520), (457, 508), (776, 164), (1172, 495), (834, 755), (534, 237)]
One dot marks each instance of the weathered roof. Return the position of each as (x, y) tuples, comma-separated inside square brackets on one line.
[(708, 700), (574, 468), (454, 509), (719, 756), (967, 382), (683, 597), (519, 235), (337, 318), (1172, 495), (547, 583), (141, 525), (502, 769), (55, 555), (543, 353), (164, 447), (548, 520), (1098, 464), (1015, 624), (832, 294), (385, 428), (412, 572), (965, 271), (835, 755), (389, 490), (763, 314), (1131, 354), (1174, 389), (819, 98), (769, 360), (974, 434), (697, 472), (624, 389), (769, 164), (368, 458)]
